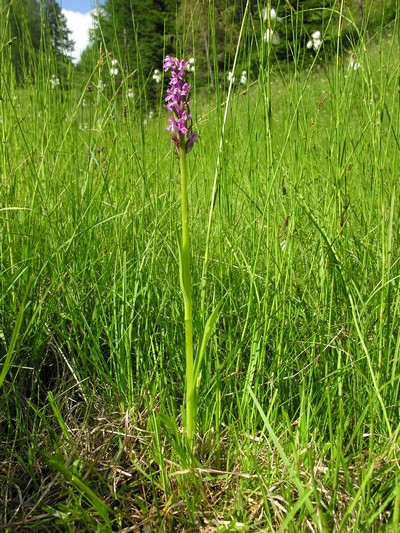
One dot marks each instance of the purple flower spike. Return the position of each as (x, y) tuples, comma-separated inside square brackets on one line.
[(177, 101)]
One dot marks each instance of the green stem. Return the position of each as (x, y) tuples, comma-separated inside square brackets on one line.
[(187, 299)]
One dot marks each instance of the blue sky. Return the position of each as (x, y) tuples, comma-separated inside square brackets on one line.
[(79, 21), (80, 6)]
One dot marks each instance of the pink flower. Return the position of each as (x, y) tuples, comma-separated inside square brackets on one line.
[(180, 124)]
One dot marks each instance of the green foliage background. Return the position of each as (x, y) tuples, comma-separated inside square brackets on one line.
[(299, 393), (140, 33), (28, 28)]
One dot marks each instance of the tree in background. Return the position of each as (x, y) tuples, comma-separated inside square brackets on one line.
[(210, 31), (56, 32), (139, 34), (291, 32), (134, 32), (20, 26), (128, 42), (31, 27)]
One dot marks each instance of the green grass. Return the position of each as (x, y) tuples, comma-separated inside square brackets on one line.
[(298, 422)]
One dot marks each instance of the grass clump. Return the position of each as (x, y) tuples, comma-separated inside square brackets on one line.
[(298, 405)]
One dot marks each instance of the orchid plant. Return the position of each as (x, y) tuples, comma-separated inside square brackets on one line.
[(183, 137), (180, 126)]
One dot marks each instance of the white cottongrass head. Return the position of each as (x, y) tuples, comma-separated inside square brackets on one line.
[(100, 85), (271, 36), (157, 77), (315, 41), (353, 64), (54, 81), (190, 64), (243, 78), (268, 15), (130, 94), (114, 67), (231, 77)]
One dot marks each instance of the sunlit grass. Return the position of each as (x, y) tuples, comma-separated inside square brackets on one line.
[(299, 399)]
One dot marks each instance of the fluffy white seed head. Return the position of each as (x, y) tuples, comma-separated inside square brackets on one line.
[(271, 36)]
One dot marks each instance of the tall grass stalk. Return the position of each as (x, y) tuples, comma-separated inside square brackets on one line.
[(226, 106)]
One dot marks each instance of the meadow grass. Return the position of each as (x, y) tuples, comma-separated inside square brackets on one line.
[(294, 194)]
